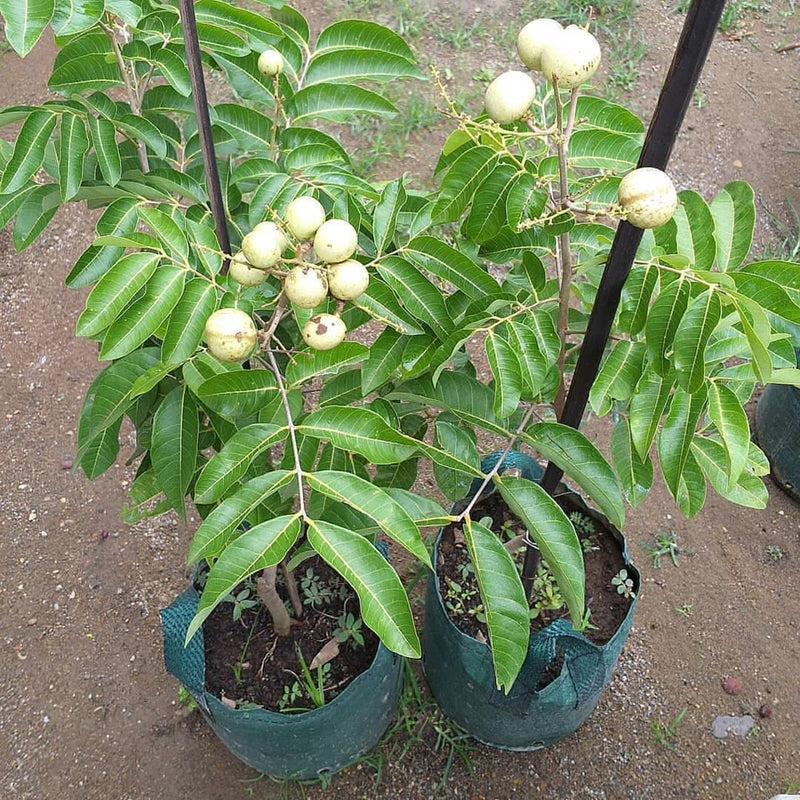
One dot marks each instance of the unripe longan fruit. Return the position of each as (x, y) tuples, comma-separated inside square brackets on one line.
[(347, 280), (264, 245), (303, 217), (273, 229), (305, 287), (270, 62), (648, 197), (324, 331), (230, 334), (532, 39), (335, 241), (243, 273), (571, 57), (509, 96)]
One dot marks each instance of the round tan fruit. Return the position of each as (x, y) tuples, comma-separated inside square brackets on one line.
[(243, 273), (264, 245), (532, 39), (324, 331), (648, 197), (274, 230), (570, 57), (509, 96), (270, 62), (335, 240), (303, 217), (348, 279), (305, 287), (230, 334)]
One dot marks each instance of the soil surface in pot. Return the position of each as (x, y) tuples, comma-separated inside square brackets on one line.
[(602, 559), (247, 663)]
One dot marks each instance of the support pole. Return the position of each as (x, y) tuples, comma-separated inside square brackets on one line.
[(189, 24)]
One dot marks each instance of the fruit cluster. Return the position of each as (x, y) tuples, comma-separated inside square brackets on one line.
[(231, 334), (567, 57)]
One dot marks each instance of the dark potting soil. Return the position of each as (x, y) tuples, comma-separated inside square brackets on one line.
[(602, 559), (248, 664)]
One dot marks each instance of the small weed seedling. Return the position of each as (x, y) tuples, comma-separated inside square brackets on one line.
[(545, 596), (583, 524), (306, 684), (774, 552), (315, 592), (666, 733), (459, 599), (624, 584), (244, 599), (186, 700), (349, 629), (291, 694), (666, 545), (685, 610)]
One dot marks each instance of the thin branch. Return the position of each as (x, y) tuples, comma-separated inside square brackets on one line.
[(134, 98), (492, 472), (292, 432)]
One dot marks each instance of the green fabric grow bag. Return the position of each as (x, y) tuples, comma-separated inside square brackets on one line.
[(461, 675), (777, 424), (300, 746)]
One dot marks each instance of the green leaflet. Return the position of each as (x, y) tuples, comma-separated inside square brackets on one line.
[(173, 448), (104, 140), (691, 337), (231, 464), (618, 375), (238, 394), (505, 368), (507, 616), (635, 473), (730, 419), (73, 143), (383, 601), (695, 226), (219, 527), (336, 102), (360, 430), (461, 443), (662, 322), (112, 293), (144, 317), (677, 433), (734, 213), (554, 535), (375, 503), (111, 395), (419, 296), (29, 150), (184, 330), (451, 266), (24, 22), (582, 461)]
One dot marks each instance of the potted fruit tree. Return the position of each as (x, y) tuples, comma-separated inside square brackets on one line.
[(534, 183), (290, 384), (217, 355)]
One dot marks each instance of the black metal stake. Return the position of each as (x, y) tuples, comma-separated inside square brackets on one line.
[(690, 55), (204, 125)]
